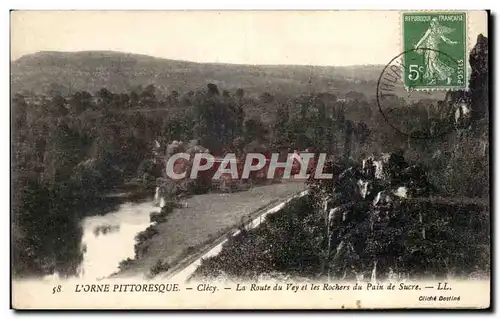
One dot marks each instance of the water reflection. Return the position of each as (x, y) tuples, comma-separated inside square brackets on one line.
[(109, 239)]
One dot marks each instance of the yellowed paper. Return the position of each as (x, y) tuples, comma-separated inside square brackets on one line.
[(392, 104)]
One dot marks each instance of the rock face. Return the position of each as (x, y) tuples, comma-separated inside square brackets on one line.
[(470, 107), (478, 83)]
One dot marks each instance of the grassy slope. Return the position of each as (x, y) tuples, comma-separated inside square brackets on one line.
[(206, 218)]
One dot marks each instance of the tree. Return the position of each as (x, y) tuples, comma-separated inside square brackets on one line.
[(173, 98), (255, 130), (59, 104), (80, 102), (281, 131), (212, 89), (19, 110), (266, 97), (148, 97), (240, 94), (105, 97), (349, 130), (355, 96)]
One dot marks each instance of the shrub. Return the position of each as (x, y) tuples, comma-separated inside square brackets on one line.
[(159, 267), (465, 171), (158, 218), (142, 245), (126, 264)]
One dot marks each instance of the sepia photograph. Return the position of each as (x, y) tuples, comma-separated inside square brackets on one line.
[(250, 159)]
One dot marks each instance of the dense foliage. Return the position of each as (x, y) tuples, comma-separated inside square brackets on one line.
[(294, 243), (421, 236), (68, 150)]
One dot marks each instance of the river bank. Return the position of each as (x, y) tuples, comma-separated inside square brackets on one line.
[(202, 221)]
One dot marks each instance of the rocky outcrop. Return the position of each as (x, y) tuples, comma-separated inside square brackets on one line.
[(478, 83)]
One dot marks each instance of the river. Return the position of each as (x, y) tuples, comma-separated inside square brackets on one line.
[(109, 239)]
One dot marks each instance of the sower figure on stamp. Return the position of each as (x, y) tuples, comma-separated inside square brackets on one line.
[(436, 69)]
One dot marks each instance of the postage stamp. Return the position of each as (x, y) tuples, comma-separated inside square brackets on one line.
[(435, 46)]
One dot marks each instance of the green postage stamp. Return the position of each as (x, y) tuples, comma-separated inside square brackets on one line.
[(435, 48)]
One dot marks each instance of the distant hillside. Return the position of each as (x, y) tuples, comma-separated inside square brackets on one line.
[(119, 72)]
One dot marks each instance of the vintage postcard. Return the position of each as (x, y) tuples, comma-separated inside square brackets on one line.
[(250, 160)]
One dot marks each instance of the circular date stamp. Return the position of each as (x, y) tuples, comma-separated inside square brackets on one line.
[(414, 113)]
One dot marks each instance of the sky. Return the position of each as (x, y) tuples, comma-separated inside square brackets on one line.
[(243, 37)]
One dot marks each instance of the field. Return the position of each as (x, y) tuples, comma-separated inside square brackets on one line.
[(205, 218)]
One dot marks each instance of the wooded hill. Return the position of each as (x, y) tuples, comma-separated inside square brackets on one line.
[(69, 72)]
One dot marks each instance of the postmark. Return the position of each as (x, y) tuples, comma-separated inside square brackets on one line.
[(432, 41), (421, 114)]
